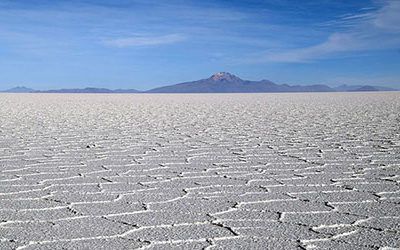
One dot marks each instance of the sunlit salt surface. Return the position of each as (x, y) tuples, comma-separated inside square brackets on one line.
[(221, 171)]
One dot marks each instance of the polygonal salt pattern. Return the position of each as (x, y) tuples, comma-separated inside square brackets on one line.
[(208, 171)]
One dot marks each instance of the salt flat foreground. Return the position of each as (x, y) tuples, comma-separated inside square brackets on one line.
[(256, 171)]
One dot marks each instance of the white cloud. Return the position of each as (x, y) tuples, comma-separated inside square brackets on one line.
[(388, 18), (377, 29), (139, 41)]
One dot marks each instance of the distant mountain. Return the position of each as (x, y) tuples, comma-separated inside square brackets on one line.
[(366, 88), (126, 91), (89, 90), (345, 88), (19, 89), (221, 82), (85, 90), (224, 82)]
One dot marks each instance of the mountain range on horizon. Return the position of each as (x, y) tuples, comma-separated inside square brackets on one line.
[(221, 82)]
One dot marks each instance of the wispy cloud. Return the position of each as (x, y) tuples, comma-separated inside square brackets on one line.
[(373, 30), (140, 41), (74, 41)]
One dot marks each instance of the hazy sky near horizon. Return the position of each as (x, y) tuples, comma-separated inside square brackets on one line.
[(46, 44)]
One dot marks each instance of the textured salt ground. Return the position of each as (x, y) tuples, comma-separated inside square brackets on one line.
[(230, 171)]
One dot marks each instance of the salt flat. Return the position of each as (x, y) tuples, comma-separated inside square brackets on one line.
[(219, 171)]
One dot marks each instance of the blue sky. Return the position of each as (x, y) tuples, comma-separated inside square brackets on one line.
[(47, 44)]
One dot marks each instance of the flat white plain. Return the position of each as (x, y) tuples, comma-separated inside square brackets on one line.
[(215, 171)]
